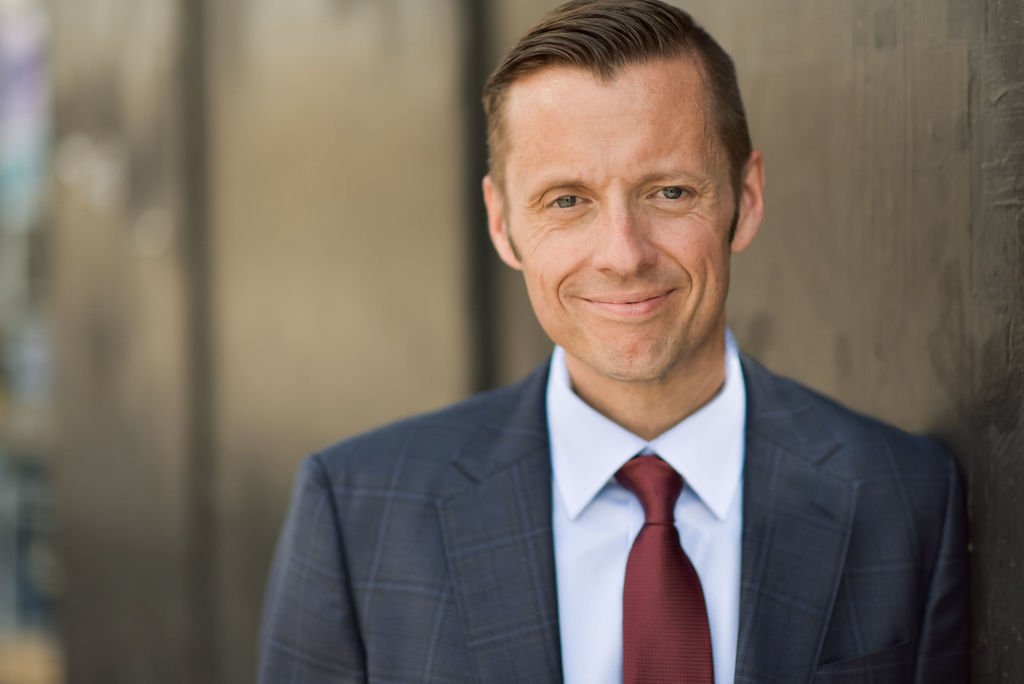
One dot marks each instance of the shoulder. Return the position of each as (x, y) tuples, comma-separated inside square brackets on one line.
[(906, 489), (847, 442), (416, 453)]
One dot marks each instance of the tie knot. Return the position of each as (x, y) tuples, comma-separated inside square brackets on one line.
[(655, 483)]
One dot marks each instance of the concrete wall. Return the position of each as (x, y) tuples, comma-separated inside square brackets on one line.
[(119, 320)]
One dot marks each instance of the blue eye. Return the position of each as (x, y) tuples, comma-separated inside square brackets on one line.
[(671, 192), (566, 201)]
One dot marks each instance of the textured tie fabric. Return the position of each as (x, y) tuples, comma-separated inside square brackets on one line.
[(665, 635)]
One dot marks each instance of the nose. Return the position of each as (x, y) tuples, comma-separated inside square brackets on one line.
[(623, 242)]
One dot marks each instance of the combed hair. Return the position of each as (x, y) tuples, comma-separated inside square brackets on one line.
[(603, 37)]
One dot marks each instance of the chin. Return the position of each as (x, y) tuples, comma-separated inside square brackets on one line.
[(638, 367)]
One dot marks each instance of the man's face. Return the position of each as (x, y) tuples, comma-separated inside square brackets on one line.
[(617, 207)]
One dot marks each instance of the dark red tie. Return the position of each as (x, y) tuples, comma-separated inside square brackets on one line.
[(665, 635)]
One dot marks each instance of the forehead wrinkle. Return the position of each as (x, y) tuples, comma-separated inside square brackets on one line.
[(498, 129), (547, 98), (640, 168)]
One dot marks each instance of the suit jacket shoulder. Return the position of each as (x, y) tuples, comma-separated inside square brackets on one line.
[(416, 453), (805, 421), (421, 551)]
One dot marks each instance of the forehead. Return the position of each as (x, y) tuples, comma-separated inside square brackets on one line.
[(563, 114)]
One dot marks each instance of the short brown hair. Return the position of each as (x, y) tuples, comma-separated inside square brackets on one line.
[(603, 37)]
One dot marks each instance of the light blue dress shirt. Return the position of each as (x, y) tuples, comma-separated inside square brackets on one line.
[(595, 520)]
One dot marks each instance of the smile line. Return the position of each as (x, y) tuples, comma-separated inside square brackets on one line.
[(625, 300), (630, 306)]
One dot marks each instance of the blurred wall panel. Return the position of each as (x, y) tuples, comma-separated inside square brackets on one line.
[(339, 269), (334, 213), (119, 320)]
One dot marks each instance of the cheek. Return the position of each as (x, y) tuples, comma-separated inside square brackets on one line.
[(542, 286), (551, 265), (699, 246)]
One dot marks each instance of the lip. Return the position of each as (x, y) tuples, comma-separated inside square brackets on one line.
[(630, 304)]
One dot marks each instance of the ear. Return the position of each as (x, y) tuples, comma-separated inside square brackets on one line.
[(497, 226), (751, 207)]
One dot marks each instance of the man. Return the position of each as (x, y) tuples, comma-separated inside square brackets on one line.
[(530, 534)]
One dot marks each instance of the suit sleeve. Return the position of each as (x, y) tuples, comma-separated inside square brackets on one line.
[(309, 631), (943, 651)]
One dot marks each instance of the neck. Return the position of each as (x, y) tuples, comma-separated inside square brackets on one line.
[(648, 408)]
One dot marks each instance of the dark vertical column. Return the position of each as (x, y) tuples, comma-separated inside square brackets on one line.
[(994, 441), (476, 63), (201, 642)]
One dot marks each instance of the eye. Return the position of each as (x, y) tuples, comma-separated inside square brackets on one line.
[(567, 201), (672, 192)]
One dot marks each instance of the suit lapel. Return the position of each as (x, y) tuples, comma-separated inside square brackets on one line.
[(796, 529), (499, 546)]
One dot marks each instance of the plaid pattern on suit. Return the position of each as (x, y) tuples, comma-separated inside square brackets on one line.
[(422, 551)]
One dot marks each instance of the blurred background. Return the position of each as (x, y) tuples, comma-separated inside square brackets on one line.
[(235, 231)]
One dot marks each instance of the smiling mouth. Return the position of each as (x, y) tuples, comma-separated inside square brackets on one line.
[(630, 305)]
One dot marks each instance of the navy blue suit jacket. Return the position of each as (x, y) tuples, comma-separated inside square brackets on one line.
[(422, 551)]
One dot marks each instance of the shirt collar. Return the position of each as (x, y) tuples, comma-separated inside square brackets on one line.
[(706, 447)]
